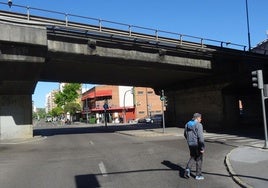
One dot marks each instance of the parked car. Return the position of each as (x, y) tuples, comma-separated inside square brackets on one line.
[(48, 119), (157, 118)]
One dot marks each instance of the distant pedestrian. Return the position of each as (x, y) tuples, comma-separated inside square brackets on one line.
[(193, 133)]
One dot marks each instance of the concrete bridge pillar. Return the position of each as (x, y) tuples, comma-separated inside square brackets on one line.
[(15, 116), (23, 50), (219, 110)]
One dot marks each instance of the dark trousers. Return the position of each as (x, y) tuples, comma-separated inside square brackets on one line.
[(197, 158)]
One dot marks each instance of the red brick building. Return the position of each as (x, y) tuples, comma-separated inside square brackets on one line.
[(125, 103)]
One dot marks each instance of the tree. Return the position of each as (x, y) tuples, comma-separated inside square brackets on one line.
[(68, 95), (40, 113), (57, 111), (72, 108)]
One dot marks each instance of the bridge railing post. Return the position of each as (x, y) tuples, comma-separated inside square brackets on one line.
[(202, 43), (156, 35), (181, 39), (129, 30), (100, 25), (28, 13), (66, 19)]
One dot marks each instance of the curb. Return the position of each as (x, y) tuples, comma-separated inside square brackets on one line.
[(232, 173), (146, 134)]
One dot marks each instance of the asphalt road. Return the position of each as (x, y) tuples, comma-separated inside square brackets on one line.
[(91, 157)]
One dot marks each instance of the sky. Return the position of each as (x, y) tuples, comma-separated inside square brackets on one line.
[(223, 20)]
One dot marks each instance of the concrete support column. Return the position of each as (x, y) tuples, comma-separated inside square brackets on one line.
[(217, 108), (15, 116)]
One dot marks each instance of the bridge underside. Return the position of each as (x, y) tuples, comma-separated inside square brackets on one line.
[(207, 80)]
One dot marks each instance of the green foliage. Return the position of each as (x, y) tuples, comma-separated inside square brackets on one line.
[(68, 95), (72, 108), (57, 111), (41, 113)]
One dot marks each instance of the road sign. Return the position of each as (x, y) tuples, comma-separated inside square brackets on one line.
[(105, 106)]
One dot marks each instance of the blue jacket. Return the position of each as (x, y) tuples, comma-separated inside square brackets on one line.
[(193, 133)]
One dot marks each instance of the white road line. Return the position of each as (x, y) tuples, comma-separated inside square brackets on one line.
[(102, 169), (92, 143)]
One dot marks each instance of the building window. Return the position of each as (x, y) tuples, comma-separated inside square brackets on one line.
[(141, 112), (140, 92), (150, 92)]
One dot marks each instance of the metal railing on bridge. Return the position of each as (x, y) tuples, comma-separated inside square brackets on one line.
[(72, 21)]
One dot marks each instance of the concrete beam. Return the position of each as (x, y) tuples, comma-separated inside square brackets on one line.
[(126, 55), (26, 34)]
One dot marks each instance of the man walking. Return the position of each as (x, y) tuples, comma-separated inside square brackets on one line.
[(193, 133)]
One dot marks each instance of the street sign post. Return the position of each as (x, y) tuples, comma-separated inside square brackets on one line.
[(105, 106)]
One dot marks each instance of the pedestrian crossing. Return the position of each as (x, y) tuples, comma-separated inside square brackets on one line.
[(233, 140)]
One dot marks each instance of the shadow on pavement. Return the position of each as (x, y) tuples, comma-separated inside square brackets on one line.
[(90, 180), (181, 170), (249, 132), (250, 177), (85, 181), (63, 130)]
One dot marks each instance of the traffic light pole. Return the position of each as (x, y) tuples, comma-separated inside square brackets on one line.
[(257, 79), (264, 119), (163, 113)]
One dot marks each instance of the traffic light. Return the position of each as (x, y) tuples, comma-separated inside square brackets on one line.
[(162, 95), (257, 79), (165, 101)]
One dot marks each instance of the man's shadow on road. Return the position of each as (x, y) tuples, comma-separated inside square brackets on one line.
[(174, 167)]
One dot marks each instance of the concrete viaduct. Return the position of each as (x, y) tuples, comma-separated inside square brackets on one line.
[(196, 76)]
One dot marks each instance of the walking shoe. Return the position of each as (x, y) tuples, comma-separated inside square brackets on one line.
[(199, 177), (187, 173)]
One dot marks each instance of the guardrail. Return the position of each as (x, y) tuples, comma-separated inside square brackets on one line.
[(111, 27)]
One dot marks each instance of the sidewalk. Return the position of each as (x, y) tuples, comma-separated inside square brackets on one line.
[(248, 166), (171, 131)]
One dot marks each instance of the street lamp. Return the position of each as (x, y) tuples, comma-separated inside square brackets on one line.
[(125, 103), (9, 3), (249, 45)]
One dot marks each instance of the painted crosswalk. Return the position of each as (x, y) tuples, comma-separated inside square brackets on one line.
[(234, 140)]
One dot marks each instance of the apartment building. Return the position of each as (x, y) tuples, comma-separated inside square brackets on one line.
[(50, 97), (147, 102)]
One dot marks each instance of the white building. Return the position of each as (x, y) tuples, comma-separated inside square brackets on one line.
[(50, 97)]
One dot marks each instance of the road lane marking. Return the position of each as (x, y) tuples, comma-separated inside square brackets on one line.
[(102, 169), (91, 143)]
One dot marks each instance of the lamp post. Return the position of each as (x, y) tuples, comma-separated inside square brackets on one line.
[(125, 103), (249, 45), (9, 3)]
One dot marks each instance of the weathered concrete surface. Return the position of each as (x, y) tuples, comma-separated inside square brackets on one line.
[(207, 100), (22, 52), (17, 33), (15, 116), (84, 49)]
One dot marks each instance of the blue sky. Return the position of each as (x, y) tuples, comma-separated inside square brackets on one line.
[(223, 20)]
